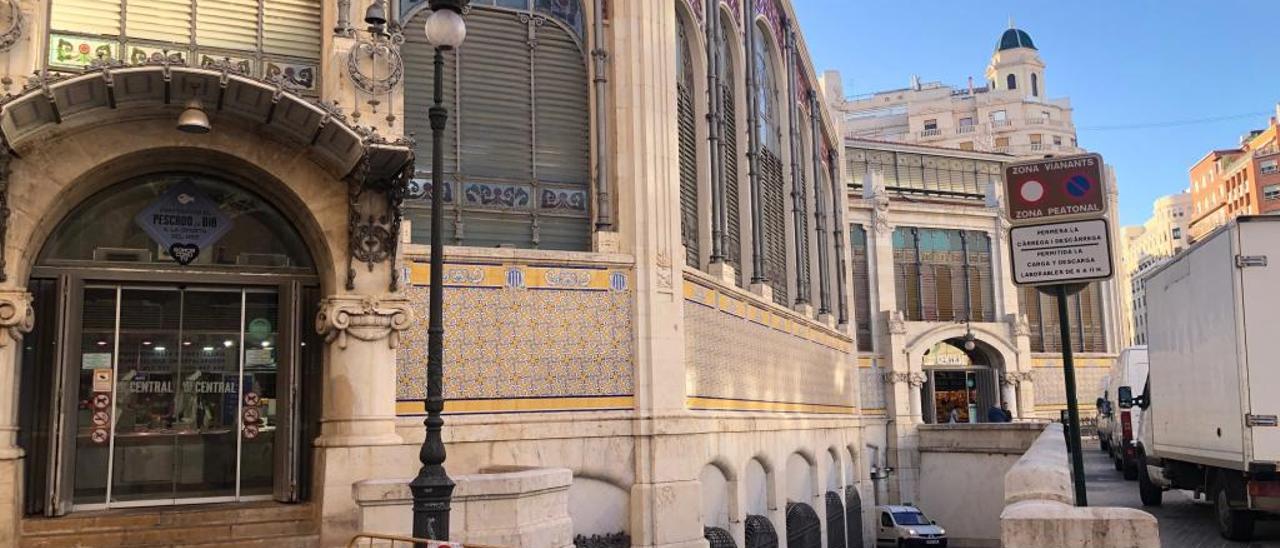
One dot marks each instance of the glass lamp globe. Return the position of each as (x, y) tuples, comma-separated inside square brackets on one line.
[(445, 29)]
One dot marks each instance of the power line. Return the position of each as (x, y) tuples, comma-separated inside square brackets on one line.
[(1174, 123)]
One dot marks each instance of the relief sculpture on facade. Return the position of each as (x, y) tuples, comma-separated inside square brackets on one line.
[(367, 318)]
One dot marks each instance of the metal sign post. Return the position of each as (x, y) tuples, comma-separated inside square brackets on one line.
[(1059, 242)]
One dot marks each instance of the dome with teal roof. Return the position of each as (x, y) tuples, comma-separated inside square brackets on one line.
[(1015, 38)]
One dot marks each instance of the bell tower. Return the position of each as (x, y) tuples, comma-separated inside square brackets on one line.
[(1016, 65)]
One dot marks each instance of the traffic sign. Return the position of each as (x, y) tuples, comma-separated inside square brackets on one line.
[(1061, 253), (1055, 189)]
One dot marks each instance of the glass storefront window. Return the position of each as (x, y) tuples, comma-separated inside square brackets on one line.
[(178, 395)]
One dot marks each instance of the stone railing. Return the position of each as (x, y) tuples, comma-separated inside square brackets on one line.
[(1039, 506), (501, 506)]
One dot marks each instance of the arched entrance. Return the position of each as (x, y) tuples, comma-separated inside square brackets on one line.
[(961, 381), (170, 363)]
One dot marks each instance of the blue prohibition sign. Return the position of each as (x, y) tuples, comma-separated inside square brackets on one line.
[(1078, 186)]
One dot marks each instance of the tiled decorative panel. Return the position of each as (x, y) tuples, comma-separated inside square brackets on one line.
[(738, 352), (515, 332), (1051, 388), (872, 387)]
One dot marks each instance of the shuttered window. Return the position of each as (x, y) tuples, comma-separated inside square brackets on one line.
[(160, 20), (266, 38), (944, 275), (231, 24), (861, 286), (732, 154), (1084, 312), (773, 209), (88, 16), (687, 135), (516, 148)]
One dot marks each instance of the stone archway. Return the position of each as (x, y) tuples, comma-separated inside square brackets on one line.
[(961, 372)]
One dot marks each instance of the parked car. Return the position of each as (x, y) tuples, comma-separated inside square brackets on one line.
[(905, 525), (1210, 423), (1103, 414), (1130, 370)]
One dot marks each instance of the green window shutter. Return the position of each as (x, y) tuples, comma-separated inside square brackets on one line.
[(773, 208), (292, 27), (86, 16), (161, 20), (230, 24), (496, 118), (562, 107)]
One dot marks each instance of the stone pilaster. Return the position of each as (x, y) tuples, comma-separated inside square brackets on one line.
[(362, 333), (643, 75), (16, 320)]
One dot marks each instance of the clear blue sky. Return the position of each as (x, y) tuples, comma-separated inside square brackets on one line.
[(1124, 63)]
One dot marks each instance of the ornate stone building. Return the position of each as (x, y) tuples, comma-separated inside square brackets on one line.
[(214, 335), (1010, 112), (943, 334)]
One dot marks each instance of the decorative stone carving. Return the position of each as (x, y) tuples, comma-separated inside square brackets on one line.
[(664, 270), (10, 35), (895, 377), (1010, 379), (364, 318), (17, 317), (1020, 326), (1025, 376), (916, 379), (897, 322)]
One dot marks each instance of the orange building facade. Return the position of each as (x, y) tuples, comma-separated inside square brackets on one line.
[(1228, 183)]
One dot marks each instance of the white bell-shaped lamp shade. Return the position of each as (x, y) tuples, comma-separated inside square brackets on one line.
[(970, 345), (445, 29)]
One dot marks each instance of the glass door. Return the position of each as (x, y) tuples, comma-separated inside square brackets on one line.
[(176, 396)]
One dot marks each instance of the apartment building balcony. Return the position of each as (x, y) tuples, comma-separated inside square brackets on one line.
[(1038, 147), (930, 133), (965, 130), (1001, 125)]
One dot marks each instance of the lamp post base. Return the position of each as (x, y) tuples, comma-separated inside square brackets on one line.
[(431, 498)]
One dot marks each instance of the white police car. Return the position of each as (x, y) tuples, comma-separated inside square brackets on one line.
[(906, 525)]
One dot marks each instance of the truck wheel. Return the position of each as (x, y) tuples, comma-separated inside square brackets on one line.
[(1233, 524), (1150, 493), (1130, 469)]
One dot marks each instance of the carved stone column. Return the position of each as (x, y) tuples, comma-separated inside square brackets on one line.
[(16, 320), (362, 333), (915, 381), (1009, 392)]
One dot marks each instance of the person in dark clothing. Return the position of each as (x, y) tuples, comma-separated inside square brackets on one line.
[(1004, 408), (994, 414)]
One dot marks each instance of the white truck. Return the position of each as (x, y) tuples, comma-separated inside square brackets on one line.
[(1213, 392)]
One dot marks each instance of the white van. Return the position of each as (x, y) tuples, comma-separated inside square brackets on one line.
[(1129, 370), (1102, 418)]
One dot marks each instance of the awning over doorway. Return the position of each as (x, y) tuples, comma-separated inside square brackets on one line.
[(51, 103)]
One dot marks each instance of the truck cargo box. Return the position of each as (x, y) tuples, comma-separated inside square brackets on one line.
[(1213, 328)]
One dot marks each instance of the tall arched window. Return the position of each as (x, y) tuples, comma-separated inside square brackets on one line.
[(772, 186), (1035, 85), (732, 154), (517, 146), (1011, 81), (687, 130)]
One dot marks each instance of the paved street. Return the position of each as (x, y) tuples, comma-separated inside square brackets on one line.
[(1184, 522)]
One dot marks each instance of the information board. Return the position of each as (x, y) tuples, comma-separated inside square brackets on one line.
[(1057, 253)]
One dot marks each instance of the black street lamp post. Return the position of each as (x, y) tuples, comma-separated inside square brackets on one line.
[(432, 489)]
